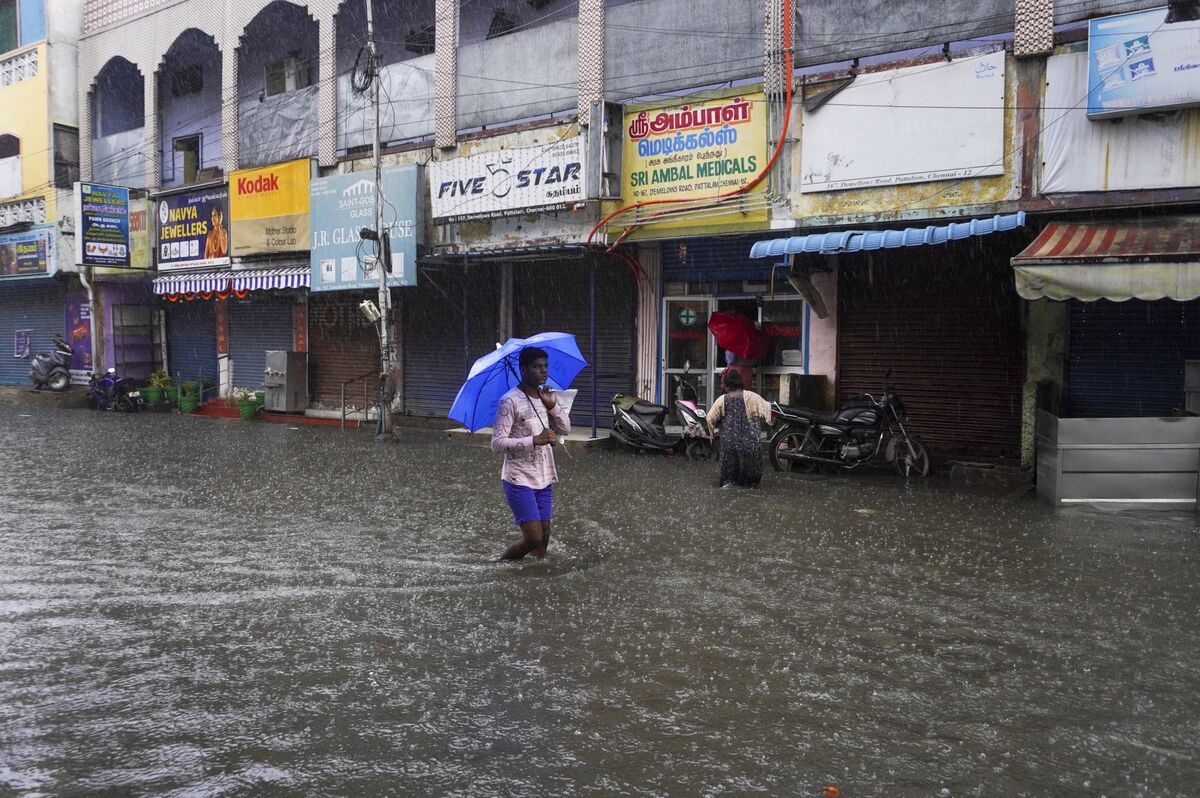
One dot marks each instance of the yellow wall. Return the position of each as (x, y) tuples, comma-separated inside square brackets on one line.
[(24, 113)]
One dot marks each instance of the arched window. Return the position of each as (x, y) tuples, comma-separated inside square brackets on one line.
[(10, 146)]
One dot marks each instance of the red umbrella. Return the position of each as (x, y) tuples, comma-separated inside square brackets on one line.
[(738, 334)]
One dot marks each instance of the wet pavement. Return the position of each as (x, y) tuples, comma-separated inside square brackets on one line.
[(191, 607)]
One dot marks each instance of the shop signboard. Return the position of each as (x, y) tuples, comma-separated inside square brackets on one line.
[(79, 335), (269, 208), (508, 182), (697, 148), (917, 124), (1138, 63), (342, 205), (102, 218), (193, 231), (29, 253)]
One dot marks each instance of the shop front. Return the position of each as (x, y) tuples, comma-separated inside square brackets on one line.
[(32, 300), (1114, 421), (934, 307), (703, 276)]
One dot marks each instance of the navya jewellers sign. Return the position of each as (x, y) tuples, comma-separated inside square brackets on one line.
[(508, 182)]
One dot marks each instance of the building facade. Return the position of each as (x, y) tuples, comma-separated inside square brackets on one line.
[(40, 292), (855, 180)]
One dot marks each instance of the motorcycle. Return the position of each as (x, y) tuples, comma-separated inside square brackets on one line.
[(52, 370), (847, 437), (641, 425), (110, 392)]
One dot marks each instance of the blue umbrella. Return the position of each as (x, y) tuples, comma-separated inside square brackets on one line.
[(496, 373)]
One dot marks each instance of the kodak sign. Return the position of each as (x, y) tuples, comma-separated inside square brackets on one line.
[(269, 208)]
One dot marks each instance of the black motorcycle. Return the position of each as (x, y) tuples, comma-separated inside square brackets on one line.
[(847, 437), (52, 370)]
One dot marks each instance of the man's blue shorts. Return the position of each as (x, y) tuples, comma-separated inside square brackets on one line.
[(528, 504)]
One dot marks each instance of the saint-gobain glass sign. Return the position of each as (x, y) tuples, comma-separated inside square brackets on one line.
[(102, 213), (341, 206), (1138, 63), (509, 182)]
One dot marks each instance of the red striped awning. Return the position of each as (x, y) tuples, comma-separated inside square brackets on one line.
[(1149, 258), (1170, 238)]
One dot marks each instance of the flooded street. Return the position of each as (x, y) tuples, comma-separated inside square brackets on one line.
[(191, 607)]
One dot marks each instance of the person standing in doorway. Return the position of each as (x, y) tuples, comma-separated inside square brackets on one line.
[(529, 421)]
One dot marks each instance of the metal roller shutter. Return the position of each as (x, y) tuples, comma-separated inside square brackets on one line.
[(257, 325), (450, 320), (554, 297), (1125, 359), (39, 308), (192, 341), (342, 345), (946, 321)]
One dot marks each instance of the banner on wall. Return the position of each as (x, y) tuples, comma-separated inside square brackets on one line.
[(342, 205), (29, 253), (193, 229), (102, 225), (269, 208), (491, 185), (79, 335), (699, 148), (942, 121), (1138, 63)]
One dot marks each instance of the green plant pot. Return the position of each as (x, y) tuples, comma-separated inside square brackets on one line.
[(260, 398), (172, 394), (189, 404), (247, 409), (152, 395)]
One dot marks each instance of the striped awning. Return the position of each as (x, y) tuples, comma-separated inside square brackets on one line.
[(863, 240), (247, 280), (1150, 258), (192, 283), (258, 279)]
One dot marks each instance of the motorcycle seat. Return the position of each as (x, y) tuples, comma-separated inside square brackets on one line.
[(632, 404), (808, 414)]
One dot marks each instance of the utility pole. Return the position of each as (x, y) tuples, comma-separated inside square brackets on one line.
[(381, 260)]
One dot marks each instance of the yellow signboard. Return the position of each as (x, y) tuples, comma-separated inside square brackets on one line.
[(268, 208), (700, 149)]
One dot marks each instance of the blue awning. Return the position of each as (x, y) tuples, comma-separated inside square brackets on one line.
[(862, 240)]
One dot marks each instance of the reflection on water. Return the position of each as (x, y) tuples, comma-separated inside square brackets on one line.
[(201, 608)]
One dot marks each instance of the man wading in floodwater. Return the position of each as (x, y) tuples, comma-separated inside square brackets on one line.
[(528, 423)]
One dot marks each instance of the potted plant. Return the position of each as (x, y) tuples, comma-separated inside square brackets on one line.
[(156, 384), (246, 404), (189, 399)]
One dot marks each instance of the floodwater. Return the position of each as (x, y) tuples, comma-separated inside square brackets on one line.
[(191, 607)]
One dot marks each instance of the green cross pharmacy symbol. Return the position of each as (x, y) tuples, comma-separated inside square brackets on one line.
[(687, 317)]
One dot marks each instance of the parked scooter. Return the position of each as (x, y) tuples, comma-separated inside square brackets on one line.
[(641, 425), (848, 436), (52, 370), (110, 392)]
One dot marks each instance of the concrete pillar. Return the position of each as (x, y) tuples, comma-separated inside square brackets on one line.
[(1045, 367), (327, 121), (591, 55), (229, 94), (1033, 27), (648, 321), (445, 77), (152, 147)]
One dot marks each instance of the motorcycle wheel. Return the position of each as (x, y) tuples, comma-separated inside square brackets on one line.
[(911, 464), (700, 450), (58, 381), (789, 442), (124, 405)]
